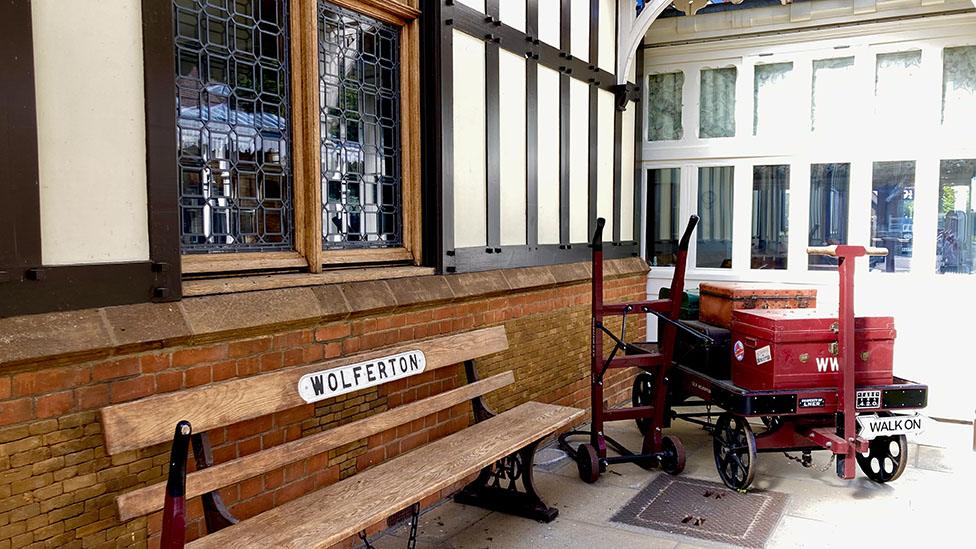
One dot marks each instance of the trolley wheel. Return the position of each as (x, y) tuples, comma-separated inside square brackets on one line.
[(885, 459), (734, 446), (643, 395), (672, 455), (588, 463)]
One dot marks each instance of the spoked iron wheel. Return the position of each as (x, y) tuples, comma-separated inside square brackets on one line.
[(734, 446), (643, 395), (588, 463), (672, 455), (885, 459)]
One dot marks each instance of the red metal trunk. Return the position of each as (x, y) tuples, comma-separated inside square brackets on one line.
[(798, 349)]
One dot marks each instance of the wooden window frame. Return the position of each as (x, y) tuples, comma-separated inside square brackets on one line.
[(308, 252)]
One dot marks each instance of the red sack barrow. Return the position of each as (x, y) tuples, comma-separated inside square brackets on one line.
[(846, 409)]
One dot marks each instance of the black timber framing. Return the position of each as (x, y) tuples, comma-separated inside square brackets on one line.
[(441, 18), (20, 222), (437, 128), (565, 118), (493, 154), (532, 125), (26, 285)]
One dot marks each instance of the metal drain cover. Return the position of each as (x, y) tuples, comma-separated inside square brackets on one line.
[(705, 510)]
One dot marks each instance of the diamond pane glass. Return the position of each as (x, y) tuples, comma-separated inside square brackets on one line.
[(359, 91), (233, 129), (959, 87)]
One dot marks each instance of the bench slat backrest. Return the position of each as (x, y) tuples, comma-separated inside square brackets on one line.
[(151, 420), (146, 500)]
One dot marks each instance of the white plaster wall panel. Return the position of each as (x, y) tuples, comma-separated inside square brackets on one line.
[(476, 4), (627, 172), (512, 13), (548, 187), (579, 30), (608, 35), (470, 183), (91, 133), (579, 152), (604, 163), (511, 111), (549, 22)]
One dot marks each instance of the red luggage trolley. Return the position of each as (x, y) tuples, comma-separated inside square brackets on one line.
[(650, 406), (856, 423)]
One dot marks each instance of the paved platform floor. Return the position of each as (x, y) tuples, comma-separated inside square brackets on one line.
[(932, 505)]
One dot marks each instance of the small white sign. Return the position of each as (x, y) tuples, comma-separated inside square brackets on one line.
[(763, 355), (873, 426), (867, 399), (361, 375)]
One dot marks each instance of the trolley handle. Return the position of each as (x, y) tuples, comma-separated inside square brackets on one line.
[(598, 234), (686, 238), (832, 251)]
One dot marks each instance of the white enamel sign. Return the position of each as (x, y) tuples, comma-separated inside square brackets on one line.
[(353, 377)]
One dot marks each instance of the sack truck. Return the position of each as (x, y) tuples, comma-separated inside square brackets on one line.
[(816, 381)]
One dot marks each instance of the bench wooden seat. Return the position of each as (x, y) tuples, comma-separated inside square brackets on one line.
[(500, 446), (314, 520)]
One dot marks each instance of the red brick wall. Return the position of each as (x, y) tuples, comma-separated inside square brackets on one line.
[(58, 486)]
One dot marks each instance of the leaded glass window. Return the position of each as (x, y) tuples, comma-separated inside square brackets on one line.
[(232, 91), (717, 103), (359, 97), (664, 106)]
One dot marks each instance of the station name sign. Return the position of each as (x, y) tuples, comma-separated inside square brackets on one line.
[(361, 375)]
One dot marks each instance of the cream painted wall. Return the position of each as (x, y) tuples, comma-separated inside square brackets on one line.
[(511, 115), (579, 29), (627, 173), (512, 14), (608, 35), (548, 188), (579, 152), (91, 131), (470, 184), (604, 165), (549, 22)]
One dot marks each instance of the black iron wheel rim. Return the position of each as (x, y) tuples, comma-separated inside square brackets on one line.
[(885, 459), (642, 394), (734, 446)]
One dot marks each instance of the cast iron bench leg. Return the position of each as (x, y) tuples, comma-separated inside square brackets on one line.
[(497, 486)]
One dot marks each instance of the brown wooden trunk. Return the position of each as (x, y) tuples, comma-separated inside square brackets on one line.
[(719, 299)]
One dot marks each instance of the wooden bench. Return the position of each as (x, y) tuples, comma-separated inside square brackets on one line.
[(499, 446)]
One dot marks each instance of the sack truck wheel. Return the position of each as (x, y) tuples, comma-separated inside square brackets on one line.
[(734, 446), (672, 455), (885, 459), (642, 394), (588, 463)]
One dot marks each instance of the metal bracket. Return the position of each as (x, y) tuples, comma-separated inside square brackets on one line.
[(481, 410), (497, 488), (215, 513)]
